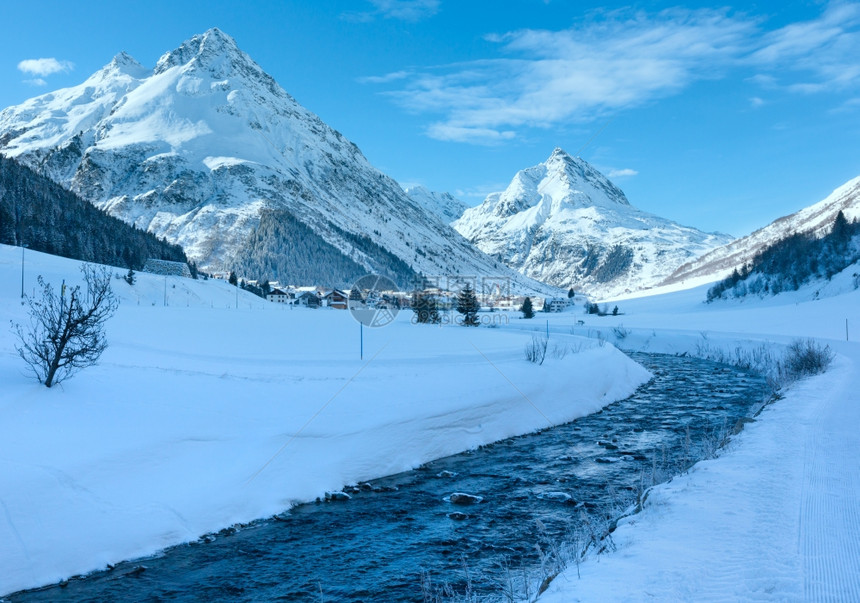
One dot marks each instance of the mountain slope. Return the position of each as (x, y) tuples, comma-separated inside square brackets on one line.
[(199, 149), (443, 205), (815, 219), (37, 212), (562, 222)]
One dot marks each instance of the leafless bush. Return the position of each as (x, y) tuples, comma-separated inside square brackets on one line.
[(66, 332), (806, 357), (535, 350), (801, 358), (620, 332), (561, 350)]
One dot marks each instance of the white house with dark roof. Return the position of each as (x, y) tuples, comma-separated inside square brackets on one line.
[(279, 296)]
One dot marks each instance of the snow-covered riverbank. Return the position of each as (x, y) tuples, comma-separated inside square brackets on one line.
[(201, 415), (777, 516)]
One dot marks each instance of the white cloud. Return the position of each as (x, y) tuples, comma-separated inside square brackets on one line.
[(480, 192), (384, 79), (406, 10), (403, 10), (43, 67), (36, 82), (825, 51), (485, 136), (622, 173), (551, 77), (614, 60)]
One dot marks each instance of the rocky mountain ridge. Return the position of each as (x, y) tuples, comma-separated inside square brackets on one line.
[(208, 151), (564, 223)]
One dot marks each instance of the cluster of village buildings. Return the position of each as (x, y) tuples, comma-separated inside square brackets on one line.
[(321, 297), (318, 297)]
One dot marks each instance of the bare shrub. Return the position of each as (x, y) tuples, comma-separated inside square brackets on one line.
[(560, 351), (802, 358), (535, 350), (806, 357), (620, 332), (66, 332)]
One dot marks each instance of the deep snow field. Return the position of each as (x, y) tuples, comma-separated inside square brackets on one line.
[(200, 415)]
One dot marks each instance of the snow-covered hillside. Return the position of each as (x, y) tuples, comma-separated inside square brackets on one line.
[(208, 151), (201, 414), (562, 222), (443, 205), (817, 219)]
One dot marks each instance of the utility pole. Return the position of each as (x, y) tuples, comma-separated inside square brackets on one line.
[(23, 247)]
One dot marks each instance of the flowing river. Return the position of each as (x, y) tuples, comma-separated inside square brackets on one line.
[(403, 537)]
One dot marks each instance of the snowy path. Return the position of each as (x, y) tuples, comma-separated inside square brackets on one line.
[(776, 518), (830, 507)]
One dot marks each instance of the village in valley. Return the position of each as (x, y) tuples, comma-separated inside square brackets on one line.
[(492, 294)]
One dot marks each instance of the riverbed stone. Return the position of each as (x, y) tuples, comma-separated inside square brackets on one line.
[(461, 498)]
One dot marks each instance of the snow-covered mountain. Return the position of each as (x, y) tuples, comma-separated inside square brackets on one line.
[(564, 223), (816, 219), (208, 151), (443, 205)]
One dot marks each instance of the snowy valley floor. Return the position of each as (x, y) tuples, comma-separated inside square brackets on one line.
[(201, 415)]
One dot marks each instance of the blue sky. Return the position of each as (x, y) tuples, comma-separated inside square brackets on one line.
[(718, 117)]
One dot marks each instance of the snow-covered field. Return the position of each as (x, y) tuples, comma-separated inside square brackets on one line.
[(201, 414), (777, 516)]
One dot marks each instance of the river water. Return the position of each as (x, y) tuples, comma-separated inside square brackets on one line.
[(402, 537)]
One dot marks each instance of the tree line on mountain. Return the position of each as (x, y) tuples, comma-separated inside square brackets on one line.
[(41, 214), (284, 247), (793, 261), (604, 266)]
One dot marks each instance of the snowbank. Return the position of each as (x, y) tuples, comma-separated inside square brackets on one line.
[(201, 414), (777, 516)]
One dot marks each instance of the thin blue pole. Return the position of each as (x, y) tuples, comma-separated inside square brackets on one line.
[(361, 331)]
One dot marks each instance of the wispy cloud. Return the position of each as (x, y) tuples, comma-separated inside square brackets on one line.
[(825, 51), (622, 173), (473, 195), (612, 61), (36, 82), (615, 60), (384, 79), (851, 105), (44, 67), (403, 10)]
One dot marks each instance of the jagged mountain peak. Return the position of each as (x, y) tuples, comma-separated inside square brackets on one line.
[(577, 174), (207, 50), (215, 54), (209, 152), (126, 64), (560, 182), (564, 223)]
